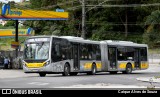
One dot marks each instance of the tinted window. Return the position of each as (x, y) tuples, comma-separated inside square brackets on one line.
[(121, 53), (143, 53), (130, 53), (90, 52), (60, 49)]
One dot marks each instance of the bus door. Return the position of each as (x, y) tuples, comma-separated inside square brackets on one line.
[(137, 58), (76, 61), (112, 57)]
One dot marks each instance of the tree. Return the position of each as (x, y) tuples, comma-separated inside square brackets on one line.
[(10, 23), (102, 23), (152, 33), (12, 4), (35, 3), (52, 27), (42, 3)]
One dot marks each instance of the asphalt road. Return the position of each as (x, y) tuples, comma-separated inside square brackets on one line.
[(57, 80)]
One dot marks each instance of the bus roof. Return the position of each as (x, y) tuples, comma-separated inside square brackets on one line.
[(70, 38), (123, 43), (79, 39), (108, 42)]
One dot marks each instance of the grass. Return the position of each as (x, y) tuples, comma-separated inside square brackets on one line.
[(156, 77), (154, 51)]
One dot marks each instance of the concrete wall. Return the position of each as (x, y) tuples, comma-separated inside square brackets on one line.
[(15, 63), (154, 58)]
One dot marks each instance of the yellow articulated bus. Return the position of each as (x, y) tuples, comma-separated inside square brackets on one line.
[(72, 55)]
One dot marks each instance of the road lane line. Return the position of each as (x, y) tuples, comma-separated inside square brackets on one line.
[(38, 83)]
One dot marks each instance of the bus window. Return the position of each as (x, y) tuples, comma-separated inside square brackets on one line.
[(125, 53), (83, 51), (130, 53), (98, 52), (42, 51), (56, 52), (61, 50), (143, 53), (90, 51), (65, 49), (37, 51), (94, 52), (112, 56), (121, 54)]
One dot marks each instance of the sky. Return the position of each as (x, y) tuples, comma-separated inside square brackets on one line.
[(9, 0)]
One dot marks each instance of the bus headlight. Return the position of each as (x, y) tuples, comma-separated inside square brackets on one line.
[(46, 63), (24, 63)]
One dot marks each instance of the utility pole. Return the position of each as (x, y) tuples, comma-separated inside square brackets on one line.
[(16, 36), (83, 35)]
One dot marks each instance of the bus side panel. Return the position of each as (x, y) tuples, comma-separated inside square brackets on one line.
[(144, 65), (104, 56), (59, 66), (122, 65), (87, 65), (71, 65), (56, 67)]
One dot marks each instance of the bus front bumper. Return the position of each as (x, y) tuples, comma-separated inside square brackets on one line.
[(36, 70)]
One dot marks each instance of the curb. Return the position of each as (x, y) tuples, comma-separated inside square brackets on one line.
[(149, 79)]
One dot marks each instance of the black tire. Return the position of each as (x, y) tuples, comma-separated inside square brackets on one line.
[(93, 71), (113, 72), (128, 69), (42, 74), (66, 70), (73, 73)]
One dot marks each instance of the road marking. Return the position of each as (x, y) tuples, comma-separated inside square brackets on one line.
[(38, 83)]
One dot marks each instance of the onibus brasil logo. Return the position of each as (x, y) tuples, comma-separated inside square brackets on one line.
[(6, 10)]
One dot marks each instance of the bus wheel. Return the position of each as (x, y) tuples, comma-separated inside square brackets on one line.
[(42, 74), (113, 72), (93, 71), (128, 69), (66, 70), (73, 73)]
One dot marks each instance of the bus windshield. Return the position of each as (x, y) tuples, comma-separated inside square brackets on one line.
[(36, 51)]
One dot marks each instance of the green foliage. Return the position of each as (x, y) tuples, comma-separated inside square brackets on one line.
[(10, 23), (50, 27), (35, 3), (1, 26), (152, 33), (42, 3), (101, 23), (12, 4)]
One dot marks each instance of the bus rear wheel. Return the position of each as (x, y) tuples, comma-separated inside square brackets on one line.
[(42, 74), (73, 73), (66, 70), (93, 71), (128, 69), (113, 72)]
